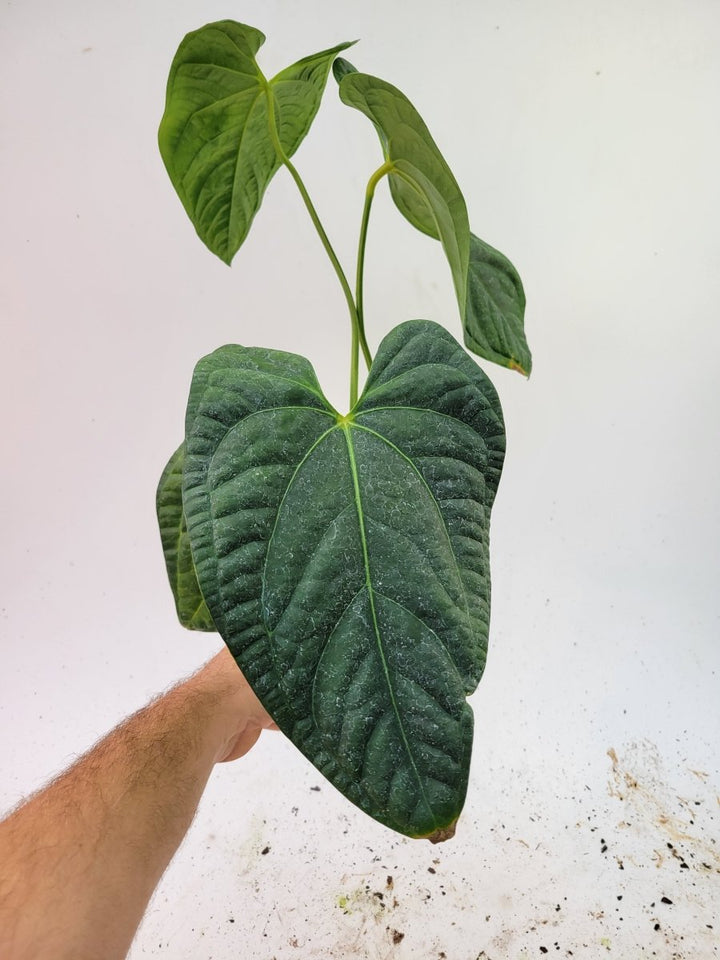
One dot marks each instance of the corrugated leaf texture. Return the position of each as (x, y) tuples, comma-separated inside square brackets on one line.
[(345, 559)]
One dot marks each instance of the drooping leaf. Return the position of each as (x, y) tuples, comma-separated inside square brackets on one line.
[(422, 184), (489, 292), (215, 135), (191, 608), (345, 559), (495, 309)]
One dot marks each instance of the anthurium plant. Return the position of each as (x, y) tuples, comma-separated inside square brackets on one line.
[(343, 557)]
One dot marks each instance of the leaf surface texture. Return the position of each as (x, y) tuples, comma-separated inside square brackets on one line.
[(345, 559), (190, 605)]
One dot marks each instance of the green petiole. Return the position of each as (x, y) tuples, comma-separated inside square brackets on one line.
[(358, 333), (369, 194)]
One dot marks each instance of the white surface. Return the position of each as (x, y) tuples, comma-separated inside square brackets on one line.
[(585, 138)]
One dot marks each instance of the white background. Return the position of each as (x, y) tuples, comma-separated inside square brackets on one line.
[(585, 138)]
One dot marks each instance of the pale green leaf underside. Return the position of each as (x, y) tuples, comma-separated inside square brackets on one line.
[(489, 292), (214, 135), (189, 603), (345, 560)]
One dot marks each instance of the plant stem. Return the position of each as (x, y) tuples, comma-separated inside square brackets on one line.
[(369, 194), (357, 335)]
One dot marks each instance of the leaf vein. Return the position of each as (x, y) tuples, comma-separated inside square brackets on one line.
[(424, 482), (371, 597)]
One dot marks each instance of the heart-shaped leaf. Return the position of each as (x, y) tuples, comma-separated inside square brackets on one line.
[(344, 559), (489, 292), (216, 135), (191, 608)]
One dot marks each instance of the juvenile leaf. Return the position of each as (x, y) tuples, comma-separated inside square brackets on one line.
[(191, 608), (489, 292), (345, 559), (495, 310), (421, 182), (215, 134)]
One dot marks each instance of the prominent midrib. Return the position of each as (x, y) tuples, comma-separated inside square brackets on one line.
[(413, 466), (346, 427)]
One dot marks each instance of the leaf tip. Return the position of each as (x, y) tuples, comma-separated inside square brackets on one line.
[(225, 255), (342, 67), (442, 833), (514, 365)]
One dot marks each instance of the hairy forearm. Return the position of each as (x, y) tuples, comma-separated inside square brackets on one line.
[(80, 860)]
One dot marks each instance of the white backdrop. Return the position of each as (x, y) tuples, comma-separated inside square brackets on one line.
[(585, 138)]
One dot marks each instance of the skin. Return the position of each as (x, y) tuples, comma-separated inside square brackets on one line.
[(80, 859)]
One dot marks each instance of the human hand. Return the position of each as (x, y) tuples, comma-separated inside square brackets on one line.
[(80, 859), (238, 716)]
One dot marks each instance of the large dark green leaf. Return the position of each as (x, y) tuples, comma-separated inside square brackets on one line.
[(489, 292), (345, 559), (215, 135), (191, 608)]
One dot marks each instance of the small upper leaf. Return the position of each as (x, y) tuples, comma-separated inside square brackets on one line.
[(215, 136), (489, 292), (191, 608), (421, 183)]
